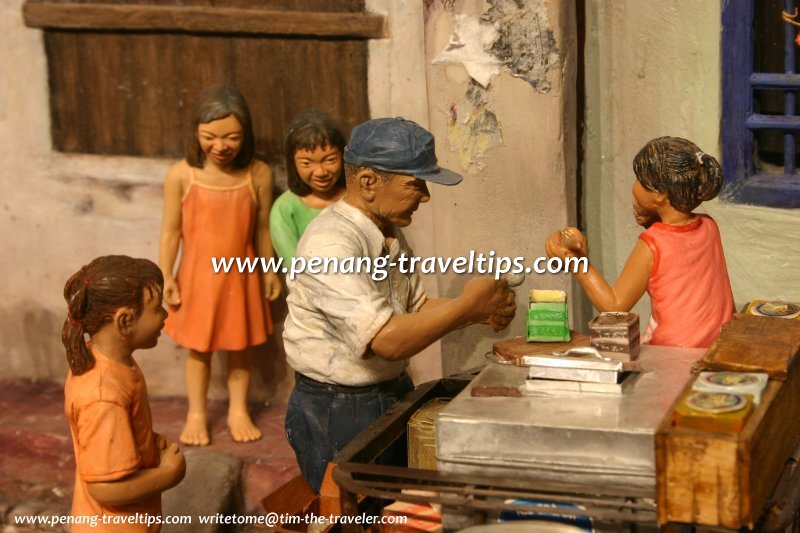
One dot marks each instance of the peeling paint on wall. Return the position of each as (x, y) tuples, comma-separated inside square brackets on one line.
[(511, 33), (469, 45), (477, 132), (525, 43)]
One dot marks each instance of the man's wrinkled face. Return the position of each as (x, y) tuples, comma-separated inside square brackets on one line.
[(398, 197)]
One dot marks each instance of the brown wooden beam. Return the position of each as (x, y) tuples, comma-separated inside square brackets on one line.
[(197, 19)]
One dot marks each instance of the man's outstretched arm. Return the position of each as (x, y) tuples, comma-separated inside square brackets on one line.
[(484, 300)]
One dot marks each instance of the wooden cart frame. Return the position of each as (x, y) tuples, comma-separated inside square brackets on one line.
[(482, 496)]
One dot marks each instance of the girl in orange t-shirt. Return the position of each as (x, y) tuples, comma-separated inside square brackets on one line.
[(121, 465), (216, 206), (678, 260)]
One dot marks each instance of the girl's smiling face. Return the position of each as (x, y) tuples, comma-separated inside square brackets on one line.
[(221, 140), (319, 168)]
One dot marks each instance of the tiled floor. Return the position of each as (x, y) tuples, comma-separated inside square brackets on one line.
[(37, 467)]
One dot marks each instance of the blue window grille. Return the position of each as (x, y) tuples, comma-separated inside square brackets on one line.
[(748, 179)]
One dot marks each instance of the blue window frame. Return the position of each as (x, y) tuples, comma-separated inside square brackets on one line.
[(748, 181)]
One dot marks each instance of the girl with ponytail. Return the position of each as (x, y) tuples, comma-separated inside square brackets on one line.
[(122, 466), (678, 259)]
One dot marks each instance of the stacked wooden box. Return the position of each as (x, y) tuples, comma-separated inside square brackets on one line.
[(616, 334), (710, 477)]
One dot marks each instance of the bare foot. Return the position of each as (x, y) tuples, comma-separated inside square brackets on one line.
[(195, 432), (242, 427)]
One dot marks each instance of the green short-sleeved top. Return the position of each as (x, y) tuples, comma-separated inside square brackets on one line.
[(287, 222)]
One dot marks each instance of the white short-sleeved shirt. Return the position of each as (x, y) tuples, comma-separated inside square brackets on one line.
[(334, 316)]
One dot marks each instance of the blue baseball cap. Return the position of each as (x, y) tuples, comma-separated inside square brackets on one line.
[(399, 146)]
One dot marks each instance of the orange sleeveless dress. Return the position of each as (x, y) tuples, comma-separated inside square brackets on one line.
[(690, 292), (218, 311)]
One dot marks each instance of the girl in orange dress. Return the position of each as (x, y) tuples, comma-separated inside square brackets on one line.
[(216, 205)]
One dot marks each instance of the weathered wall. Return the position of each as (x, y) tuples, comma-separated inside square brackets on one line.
[(652, 72), (648, 73), (59, 212), (69, 209), (501, 96), (397, 88)]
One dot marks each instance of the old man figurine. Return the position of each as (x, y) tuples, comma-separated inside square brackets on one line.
[(349, 336)]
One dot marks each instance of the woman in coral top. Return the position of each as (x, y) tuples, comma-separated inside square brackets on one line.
[(216, 205), (678, 260)]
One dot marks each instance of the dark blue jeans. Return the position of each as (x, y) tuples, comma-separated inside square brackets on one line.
[(322, 418)]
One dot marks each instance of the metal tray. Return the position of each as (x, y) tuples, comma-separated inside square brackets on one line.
[(566, 387), (583, 437), (578, 364)]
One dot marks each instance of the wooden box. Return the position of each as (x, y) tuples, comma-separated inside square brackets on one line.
[(616, 332), (751, 343), (725, 478)]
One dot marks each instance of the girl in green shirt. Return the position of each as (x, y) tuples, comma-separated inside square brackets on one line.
[(314, 147)]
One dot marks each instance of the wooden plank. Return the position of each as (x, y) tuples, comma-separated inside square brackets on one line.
[(65, 117), (132, 94), (785, 501), (202, 19), (750, 343), (279, 5), (703, 489), (518, 347), (289, 76), (757, 474), (772, 442)]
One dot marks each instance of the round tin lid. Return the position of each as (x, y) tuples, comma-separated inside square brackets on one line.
[(778, 309), (729, 379), (716, 402)]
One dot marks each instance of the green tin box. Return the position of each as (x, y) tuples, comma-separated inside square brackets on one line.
[(548, 319)]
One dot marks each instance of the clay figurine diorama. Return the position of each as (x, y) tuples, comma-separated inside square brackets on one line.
[(122, 466), (348, 336), (314, 147), (678, 259), (216, 204)]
